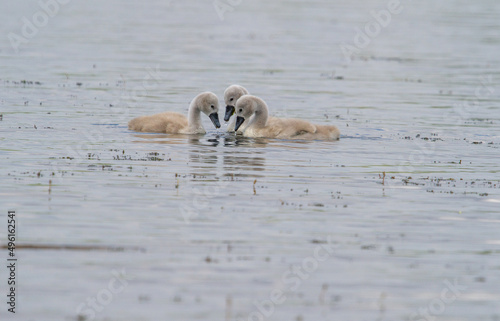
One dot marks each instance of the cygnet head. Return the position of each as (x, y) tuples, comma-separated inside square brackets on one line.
[(231, 96), (245, 107), (208, 103)]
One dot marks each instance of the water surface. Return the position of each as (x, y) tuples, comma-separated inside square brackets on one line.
[(207, 227)]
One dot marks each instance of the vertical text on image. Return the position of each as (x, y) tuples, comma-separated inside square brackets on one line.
[(40, 19), (11, 261), (363, 37)]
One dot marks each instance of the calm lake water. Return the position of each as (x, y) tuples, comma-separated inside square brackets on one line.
[(399, 220)]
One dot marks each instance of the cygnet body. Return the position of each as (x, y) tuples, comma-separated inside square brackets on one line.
[(176, 123), (285, 128)]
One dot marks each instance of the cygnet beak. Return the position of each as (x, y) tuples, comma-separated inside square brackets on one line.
[(239, 121), (214, 117), (229, 112)]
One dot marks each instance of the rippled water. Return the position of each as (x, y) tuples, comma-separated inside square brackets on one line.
[(399, 220)]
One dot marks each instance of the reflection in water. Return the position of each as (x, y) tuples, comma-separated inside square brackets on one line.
[(238, 140), (236, 165), (240, 155), (204, 155), (171, 139), (241, 159), (217, 155)]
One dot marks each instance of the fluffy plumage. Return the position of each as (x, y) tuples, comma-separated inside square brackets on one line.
[(286, 128), (231, 96), (175, 123)]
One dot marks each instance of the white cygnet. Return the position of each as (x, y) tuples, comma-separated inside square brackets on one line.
[(286, 128), (231, 96), (176, 123)]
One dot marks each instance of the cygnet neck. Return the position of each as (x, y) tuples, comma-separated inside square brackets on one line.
[(261, 113), (194, 117)]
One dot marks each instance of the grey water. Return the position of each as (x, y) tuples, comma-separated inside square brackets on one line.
[(398, 220)]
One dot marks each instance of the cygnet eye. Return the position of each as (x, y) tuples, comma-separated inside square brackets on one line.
[(231, 99), (241, 110), (212, 106)]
